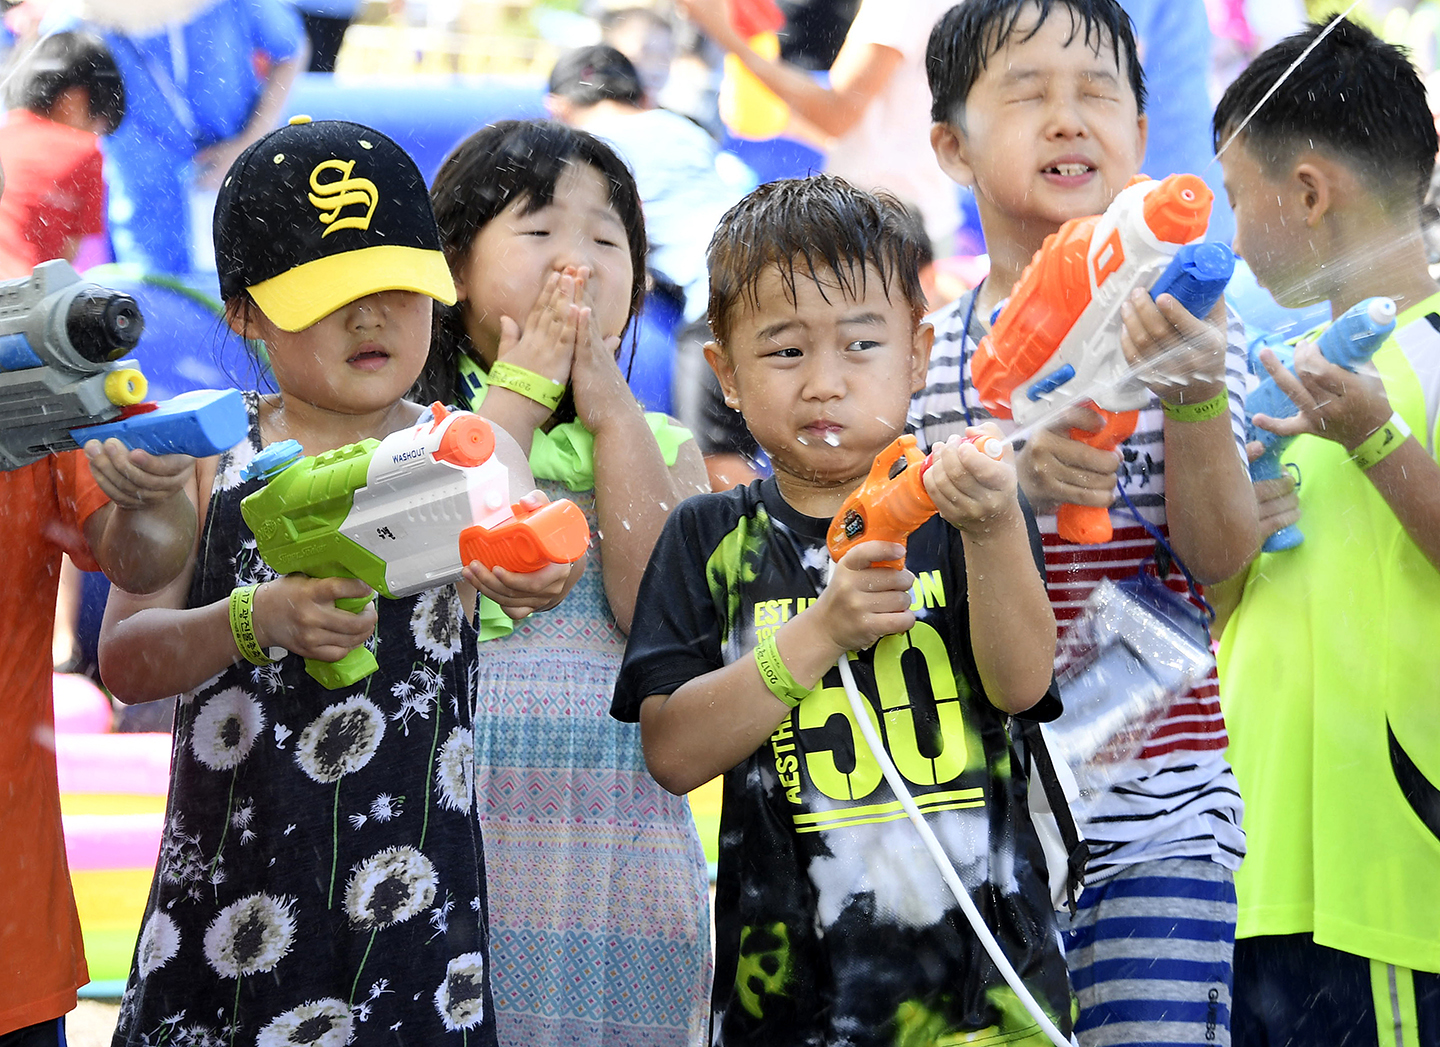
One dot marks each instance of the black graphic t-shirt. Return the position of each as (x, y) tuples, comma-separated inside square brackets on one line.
[(833, 924)]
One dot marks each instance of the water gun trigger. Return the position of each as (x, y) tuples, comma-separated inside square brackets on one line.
[(1090, 524), (541, 532)]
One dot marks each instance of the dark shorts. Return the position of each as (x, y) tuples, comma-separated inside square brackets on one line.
[(1290, 992), (46, 1034)]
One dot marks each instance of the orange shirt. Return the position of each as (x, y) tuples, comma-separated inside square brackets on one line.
[(54, 192), (42, 959)]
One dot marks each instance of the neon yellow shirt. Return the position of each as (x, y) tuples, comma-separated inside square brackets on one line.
[(1333, 652)]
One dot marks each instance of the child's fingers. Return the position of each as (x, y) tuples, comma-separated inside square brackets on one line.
[(509, 336), (545, 581), (1288, 383), (861, 556)]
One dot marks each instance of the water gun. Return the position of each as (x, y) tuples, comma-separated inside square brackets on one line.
[(1057, 341), (1348, 342), (749, 108), (402, 514), (892, 501), (62, 382)]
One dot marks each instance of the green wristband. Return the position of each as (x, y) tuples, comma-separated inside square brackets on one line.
[(1380, 444), (777, 678), (242, 625), (544, 391), (1215, 407)]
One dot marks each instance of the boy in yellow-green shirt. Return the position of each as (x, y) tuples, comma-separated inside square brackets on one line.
[(1329, 662)]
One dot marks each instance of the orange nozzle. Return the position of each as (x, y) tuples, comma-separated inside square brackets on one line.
[(552, 532), (1178, 210), (468, 442)]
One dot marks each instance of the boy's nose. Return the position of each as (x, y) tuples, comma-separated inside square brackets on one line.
[(823, 381), (1065, 121)]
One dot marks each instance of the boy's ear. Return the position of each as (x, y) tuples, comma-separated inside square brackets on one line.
[(719, 362), (950, 147), (923, 342), (1316, 190)]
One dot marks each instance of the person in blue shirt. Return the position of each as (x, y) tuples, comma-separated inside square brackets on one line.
[(195, 101)]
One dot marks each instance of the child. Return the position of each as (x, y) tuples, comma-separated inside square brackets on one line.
[(1038, 106), (133, 521), (1329, 664), (320, 876), (600, 925), (66, 92), (832, 924)]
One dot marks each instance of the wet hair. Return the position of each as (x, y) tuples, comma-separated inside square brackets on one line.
[(822, 227), (1354, 96), (65, 60), (597, 73), (508, 162), (971, 33)]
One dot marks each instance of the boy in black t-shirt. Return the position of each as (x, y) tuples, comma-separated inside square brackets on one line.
[(833, 924)]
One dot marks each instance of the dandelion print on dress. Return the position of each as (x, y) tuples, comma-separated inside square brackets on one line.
[(389, 888), (455, 771), (323, 1023), (319, 871), (436, 623), (461, 998), (251, 935), (159, 942), (341, 740)]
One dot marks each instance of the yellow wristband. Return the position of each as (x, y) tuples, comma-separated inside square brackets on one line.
[(242, 625), (1215, 407), (777, 678), (1380, 444), (544, 391)]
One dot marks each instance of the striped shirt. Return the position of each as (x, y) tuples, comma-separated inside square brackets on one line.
[(1180, 798)]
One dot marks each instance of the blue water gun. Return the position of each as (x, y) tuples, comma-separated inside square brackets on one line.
[(62, 381), (1348, 342)]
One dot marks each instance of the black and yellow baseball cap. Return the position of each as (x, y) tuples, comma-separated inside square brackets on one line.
[(319, 213)]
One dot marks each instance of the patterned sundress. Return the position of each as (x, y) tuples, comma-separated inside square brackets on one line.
[(321, 879), (599, 914)]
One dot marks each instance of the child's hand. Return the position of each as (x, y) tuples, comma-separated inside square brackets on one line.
[(600, 387), (546, 344), (1333, 403), (520, 595), (970, 488), (137, 479), (299, 614), (1179, 356), (862, 603), (1055, 470), (1278, 501)]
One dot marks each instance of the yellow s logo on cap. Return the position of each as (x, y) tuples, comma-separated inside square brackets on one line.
[(330, 198)]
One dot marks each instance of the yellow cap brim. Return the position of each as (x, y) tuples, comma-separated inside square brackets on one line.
[(299, 297)]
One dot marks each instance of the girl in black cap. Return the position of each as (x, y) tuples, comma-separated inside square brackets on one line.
[(320, 878)]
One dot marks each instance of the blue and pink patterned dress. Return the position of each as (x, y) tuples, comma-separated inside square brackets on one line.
[(599, 898)]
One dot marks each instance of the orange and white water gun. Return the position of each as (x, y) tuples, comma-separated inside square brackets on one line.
[(1057, 340), (892, 501)]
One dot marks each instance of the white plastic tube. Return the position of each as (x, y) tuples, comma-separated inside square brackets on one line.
[(942, 860)]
